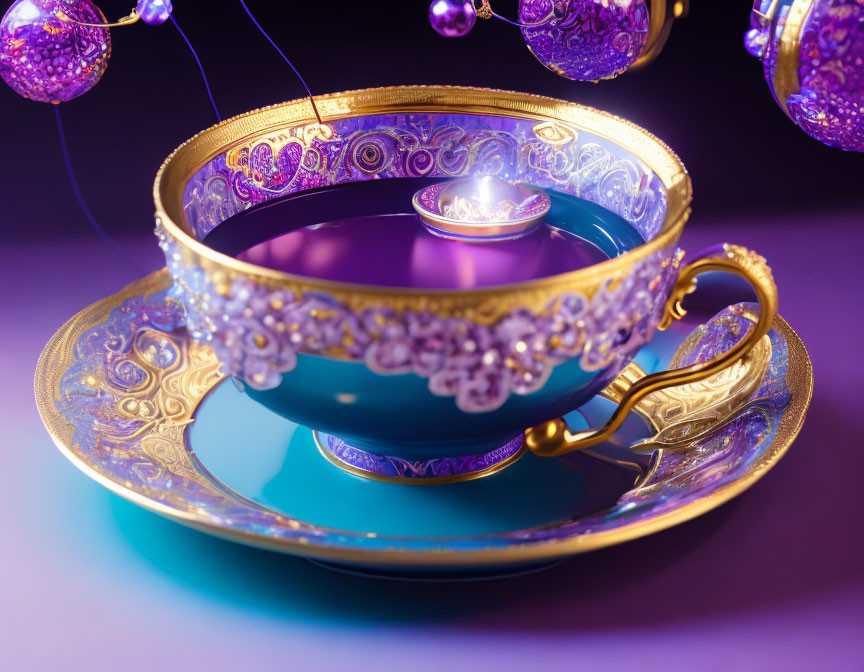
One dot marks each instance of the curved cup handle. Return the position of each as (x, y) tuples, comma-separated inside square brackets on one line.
[(554, 438)]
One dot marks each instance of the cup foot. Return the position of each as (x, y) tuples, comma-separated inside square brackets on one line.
[(434, 471)]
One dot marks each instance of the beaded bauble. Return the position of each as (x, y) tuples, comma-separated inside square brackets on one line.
[(45, 56), (452, 18), (827, 101), (585, 39), (154, 12)]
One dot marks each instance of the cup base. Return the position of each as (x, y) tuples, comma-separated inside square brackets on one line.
[(434, 471)]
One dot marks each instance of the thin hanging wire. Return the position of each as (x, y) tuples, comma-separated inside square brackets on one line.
[(73, 179), (79, 197), (286, 59), (517, 23), (200, 67), (486, 11)]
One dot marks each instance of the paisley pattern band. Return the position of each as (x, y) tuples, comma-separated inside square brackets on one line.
[(551, 155)]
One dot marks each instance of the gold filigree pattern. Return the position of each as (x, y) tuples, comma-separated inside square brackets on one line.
[(553, 133), (165, 402), (751, 262), (237, 158)]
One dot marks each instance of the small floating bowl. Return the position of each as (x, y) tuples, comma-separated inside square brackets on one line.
[(433, 203)]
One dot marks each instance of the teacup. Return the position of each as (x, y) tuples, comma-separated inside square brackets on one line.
[(421, 385)]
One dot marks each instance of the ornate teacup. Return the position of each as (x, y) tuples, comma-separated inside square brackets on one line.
[(419, 385)]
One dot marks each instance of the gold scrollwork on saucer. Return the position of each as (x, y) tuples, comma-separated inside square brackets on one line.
[(164, 405)]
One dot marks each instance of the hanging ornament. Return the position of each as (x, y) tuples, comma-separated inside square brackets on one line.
[(585, 40), (53, 51), (812, 52), (46, 51), (452, 18), (154, 12)]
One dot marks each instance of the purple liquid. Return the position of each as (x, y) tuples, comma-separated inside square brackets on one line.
[(398, 251)]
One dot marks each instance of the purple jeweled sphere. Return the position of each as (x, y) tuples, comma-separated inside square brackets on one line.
[(46, 57), (154, 12), (585, 40), (452, 18), (829, 105), (829, 102)]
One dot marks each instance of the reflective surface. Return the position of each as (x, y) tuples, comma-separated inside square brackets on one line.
[(352, 250), (396, 250), (280, 467)]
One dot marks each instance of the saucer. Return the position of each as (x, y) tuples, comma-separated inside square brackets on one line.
[(143, 409)]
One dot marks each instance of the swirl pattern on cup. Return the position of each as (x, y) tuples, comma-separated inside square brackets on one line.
[(551, 155)]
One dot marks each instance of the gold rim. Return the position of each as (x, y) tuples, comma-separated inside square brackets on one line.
[(789, 53), (172, 177), (57, 355)]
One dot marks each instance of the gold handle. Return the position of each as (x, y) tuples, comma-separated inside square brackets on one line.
[(553, 438)]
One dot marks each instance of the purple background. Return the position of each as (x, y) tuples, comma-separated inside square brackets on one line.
[(773, 580)]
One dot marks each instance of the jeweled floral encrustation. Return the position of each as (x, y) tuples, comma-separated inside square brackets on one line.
[(257, 331)]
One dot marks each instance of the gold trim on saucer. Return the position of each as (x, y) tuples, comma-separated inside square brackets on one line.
[(58, 356)]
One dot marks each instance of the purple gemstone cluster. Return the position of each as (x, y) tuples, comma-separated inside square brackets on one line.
[(257, 332), (829, 105), (46, 56), (585, 39)]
